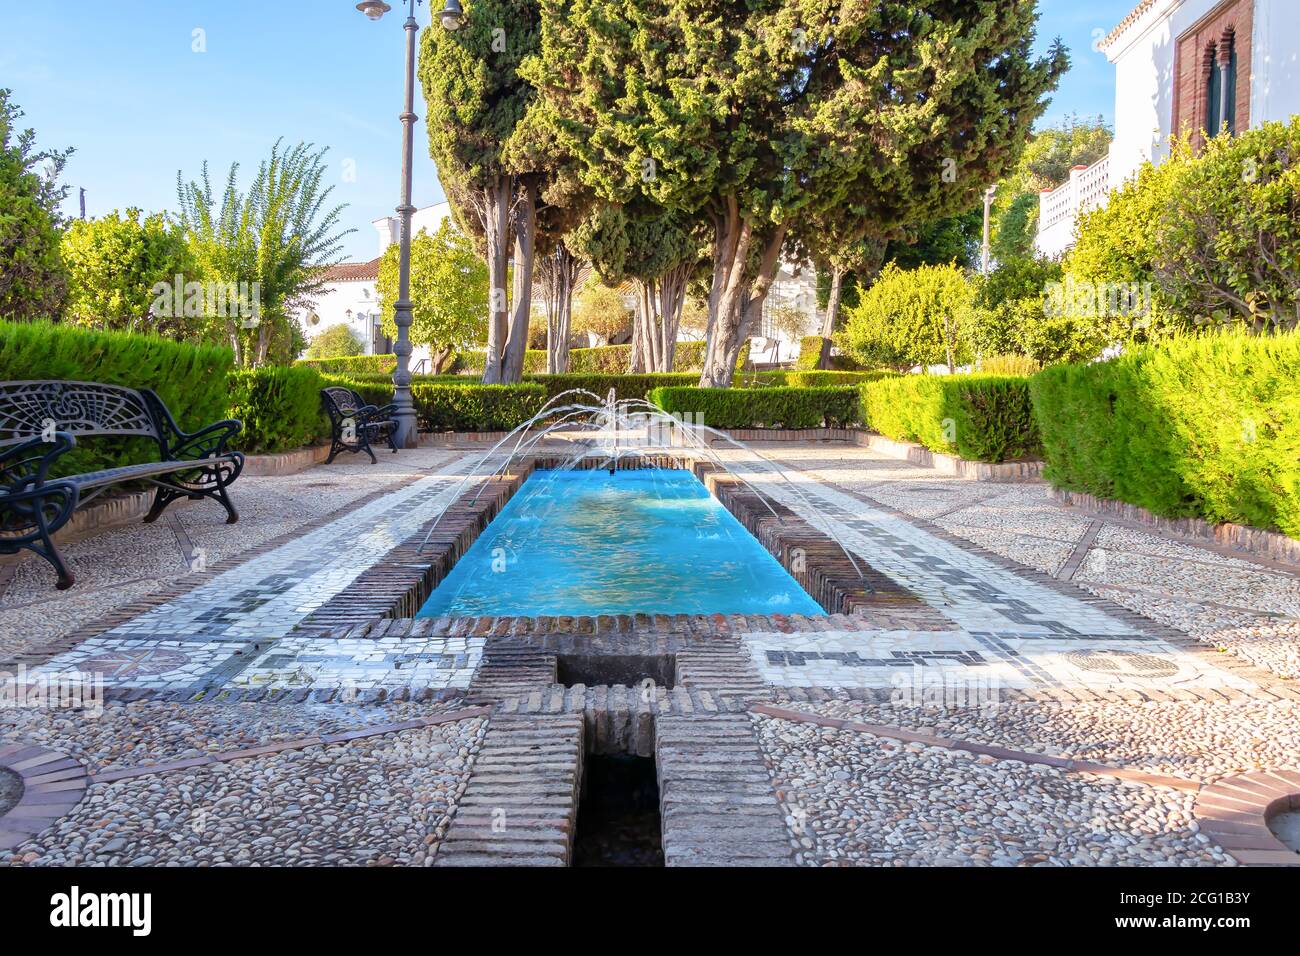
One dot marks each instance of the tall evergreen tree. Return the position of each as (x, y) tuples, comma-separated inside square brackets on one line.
[(758, 114)]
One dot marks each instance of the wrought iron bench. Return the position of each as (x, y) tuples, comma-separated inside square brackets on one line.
[(40, 421), (354, 424)]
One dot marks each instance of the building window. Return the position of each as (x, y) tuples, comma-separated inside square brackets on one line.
[(1221, 90)]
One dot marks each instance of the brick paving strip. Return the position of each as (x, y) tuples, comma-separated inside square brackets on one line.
[(1233, 811), (53, 783)]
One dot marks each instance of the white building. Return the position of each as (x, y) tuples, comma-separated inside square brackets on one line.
[(350, 297), (1182, 65)]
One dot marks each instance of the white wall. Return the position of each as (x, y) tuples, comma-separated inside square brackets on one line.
[(332, 306), (428, 219), (1144, 75)]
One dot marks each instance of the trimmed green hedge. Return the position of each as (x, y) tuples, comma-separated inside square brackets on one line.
[(279, 406), (977, 417), (625, 386), (815, 379), (352, 364), (468, 408), (1200, 427), (601, 360), (810, 352), (834, 407), (191, 380)]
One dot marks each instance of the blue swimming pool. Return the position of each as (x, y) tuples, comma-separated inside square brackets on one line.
[(652, 541)]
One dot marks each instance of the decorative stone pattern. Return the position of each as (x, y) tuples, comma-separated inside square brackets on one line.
[(1235, 811), (52, 784)]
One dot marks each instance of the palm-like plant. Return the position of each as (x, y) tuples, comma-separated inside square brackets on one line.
[(277, 238)]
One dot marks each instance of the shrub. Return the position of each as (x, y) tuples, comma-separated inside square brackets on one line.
[(1206, 426), (1009, 365), (801, 379), (624, 386), (191, 380), (977, 417), (352, 364), (335, 342), (466, 408), (600, 310), (810, 352), (834, 407), (601, 360), (280, 407), (911, 317)]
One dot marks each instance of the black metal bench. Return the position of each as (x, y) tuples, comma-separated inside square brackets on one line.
[(39, 422), (354, 424)]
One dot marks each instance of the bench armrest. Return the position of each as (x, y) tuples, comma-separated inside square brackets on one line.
[(206, 442), (20, 468)]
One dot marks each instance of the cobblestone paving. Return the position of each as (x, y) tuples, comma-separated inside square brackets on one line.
[(848, 797)]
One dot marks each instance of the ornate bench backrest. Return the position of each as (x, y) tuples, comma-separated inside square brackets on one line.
[(30, 409), (341, 403)]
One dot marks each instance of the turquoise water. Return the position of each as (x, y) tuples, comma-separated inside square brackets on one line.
[(652, 541)]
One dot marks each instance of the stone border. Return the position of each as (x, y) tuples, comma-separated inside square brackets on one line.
[(1229, 537), (285, 463), (1235, 812), (1007, 472), (53, 783)]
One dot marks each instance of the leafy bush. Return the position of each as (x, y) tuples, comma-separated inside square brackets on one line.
[(280, 407), (467, 408), (336, 342), (977, 417), (191, 380), (1009, 365), (911, 317), (801, 379), (352, 364), (1206, 426), (834, 407), (625, 386), (810, 352)]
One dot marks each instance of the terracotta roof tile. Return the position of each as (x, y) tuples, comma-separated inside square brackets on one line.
[(1128, 21), (353, 271)]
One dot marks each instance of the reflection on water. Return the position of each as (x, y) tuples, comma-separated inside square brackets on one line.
[(586, 542)]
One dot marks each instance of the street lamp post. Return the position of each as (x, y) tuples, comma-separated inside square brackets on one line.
[(407, 434)]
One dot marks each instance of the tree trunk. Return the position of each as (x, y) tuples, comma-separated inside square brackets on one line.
[(740, 302), (561, 273), (832, 316), (512, 366), (496, 230), (439, 358)]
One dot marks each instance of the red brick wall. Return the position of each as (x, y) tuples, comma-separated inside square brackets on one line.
[(1231, 19)]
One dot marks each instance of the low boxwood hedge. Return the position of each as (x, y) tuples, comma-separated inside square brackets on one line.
[(977, 417), (600, 360), (469, 408), (1199, 427), (352, 364), (833, 407), (279, 406)]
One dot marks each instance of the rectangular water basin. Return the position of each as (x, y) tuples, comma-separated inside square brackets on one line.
[(585, 542)]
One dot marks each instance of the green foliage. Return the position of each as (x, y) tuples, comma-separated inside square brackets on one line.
[(834, 407), (336, 342), (600, 310), (468, 408), (603, 359), (449, 290), (1009, 365), (1011, 314), (33, 280), (1227, 247), (916, 317), (191, 380), (810, 351), (280, 407), (817, 379), (976, 417), (624, 385), (347, 365), (115, 264), (1204, 426), (280, 235)]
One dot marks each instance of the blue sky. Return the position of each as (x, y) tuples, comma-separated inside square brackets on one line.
[(123, 84)]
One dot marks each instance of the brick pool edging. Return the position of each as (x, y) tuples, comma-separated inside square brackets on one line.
[(53, 784)]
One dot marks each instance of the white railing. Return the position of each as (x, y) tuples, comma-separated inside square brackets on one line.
[(1058, 209)]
